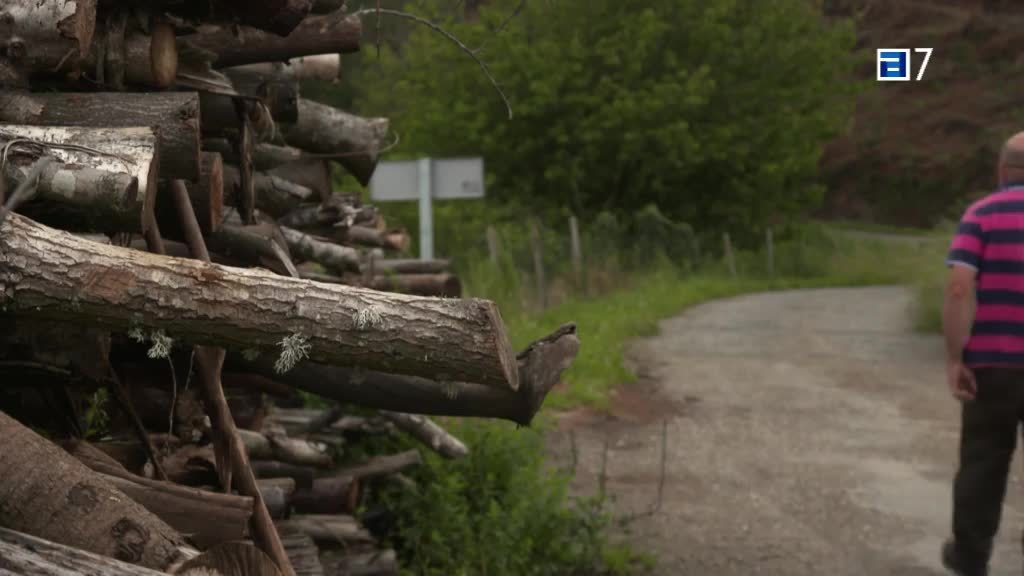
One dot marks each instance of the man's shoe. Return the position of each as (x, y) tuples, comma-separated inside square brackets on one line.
[(955, 563)]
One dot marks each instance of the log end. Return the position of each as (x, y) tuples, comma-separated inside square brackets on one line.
[(506, 357), (163, 55), (541, 365)]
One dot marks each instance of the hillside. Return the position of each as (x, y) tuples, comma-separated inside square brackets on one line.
[(917, 151)]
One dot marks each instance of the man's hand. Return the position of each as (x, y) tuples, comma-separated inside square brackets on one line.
[(961, 380)]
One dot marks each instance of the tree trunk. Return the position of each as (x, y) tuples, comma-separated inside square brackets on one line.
[(323, 67), (119, 57), (540, 366), (354, 141), (112, 190), (279, 93), (310, 172), (76, 506), (331, 33), (52, 274), (397, 240), (208, 518), (302, 551), (399, 266), (256, 245), (25, 555), (206, 196), (329, 528), (174, 115), (279, 17), (333, 256), (427, 431), (290, 450), (49, 37), (274, 196)]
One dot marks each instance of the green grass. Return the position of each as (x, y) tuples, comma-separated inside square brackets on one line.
[(608, 322)]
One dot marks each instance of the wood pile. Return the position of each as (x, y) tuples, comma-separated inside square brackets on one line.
[(170, 240)]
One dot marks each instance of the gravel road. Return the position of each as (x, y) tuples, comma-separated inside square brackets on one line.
[(808, 433)]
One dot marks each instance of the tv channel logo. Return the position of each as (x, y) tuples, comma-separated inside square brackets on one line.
[(894, 64)]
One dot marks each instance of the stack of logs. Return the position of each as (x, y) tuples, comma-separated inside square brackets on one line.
[(170, 240)]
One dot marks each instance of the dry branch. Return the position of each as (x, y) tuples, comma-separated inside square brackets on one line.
[(174, 115)]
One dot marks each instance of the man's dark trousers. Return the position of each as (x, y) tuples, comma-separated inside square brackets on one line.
[(988, 438)]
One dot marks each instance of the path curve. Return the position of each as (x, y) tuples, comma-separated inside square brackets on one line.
[(808, 433)]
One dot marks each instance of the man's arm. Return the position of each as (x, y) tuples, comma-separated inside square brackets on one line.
[(957, 319)]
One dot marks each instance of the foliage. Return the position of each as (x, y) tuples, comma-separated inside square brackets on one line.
[(501, 511), (97, 415), (715, 111)]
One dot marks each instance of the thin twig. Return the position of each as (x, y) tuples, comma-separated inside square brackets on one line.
[(452, 38)]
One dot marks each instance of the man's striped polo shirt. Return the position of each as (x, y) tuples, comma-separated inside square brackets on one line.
[(990, 239)]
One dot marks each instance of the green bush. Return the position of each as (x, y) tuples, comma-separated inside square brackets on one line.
[(501, 511)]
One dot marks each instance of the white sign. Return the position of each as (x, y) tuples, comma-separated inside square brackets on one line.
[(451, 178)]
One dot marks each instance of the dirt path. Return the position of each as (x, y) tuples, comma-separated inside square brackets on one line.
[(808, 433)]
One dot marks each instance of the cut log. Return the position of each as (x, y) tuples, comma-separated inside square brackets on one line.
[(540, 366), (274, 196), (302, 476), (397, 240), (25, 555), (206, 518), (329, 528), (223, 115), (284, 449), (382, 466), (331, 33), (264, 156), (332, 495), (353, 141), (206, 196), (312, 173), (277, 495), (373, 563), (443, 285), (76, 506), (337, 212), (52, 274), (231, 559), (323, 67), (103, 178), (276, 16), (131, 57), (47, 38), (174, 115), (399, 266), (254, 245), (333, 256), (279, 93), (427, 431), (302, 551)]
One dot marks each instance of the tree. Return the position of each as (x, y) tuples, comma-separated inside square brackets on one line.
[(714, 110)]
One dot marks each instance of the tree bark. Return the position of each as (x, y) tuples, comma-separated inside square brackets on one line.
[(329, 528), (354, 141), (331, 495), (111, 190), (312, 173), (337, 212), (76, 507), (174, 115), (382, 466), (277, 495), (396, 240), (284, 449), (331, 33), (264, 156), (279, 17), (333, 256), (427, 431), (399, 266), (52, 274), (323, 67), (25, 555), (302, 551), (232, 559), (540, 366), (274, 196), (47, 38), (276, 91), (254, 245), (206, 196), (269, 469), (445, 285), (121, 57)]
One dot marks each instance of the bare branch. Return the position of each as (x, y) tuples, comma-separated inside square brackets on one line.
[(449, 36)]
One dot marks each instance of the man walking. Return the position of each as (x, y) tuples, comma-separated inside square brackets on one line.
[(985, 358)]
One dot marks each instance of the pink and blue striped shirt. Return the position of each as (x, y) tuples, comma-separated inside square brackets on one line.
[(990, 239)]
